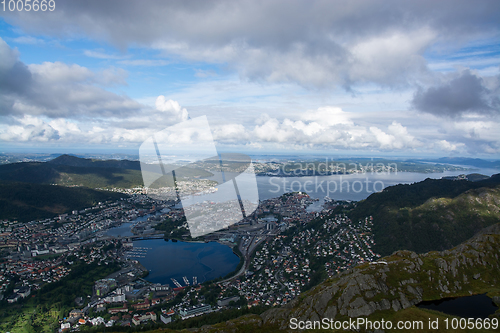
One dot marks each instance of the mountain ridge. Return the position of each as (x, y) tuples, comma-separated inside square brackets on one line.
[(429, 215), (72, 170), (75, 161)]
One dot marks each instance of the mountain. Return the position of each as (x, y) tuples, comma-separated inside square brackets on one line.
[(435, 214), (389, 289), (26, 202), (71, 170), (48, 173), (74, 161)]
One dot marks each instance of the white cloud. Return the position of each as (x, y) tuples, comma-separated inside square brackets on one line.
[(329, 116), (331, 127), (391, 58), (32, 129), (56, 89), (236, 133), (448, 146), (385, 140), (171, 107)]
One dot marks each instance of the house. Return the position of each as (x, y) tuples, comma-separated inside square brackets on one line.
[(24, 291), (141, 306), (138, 319), (97, 321), (65, 326), (227, 300), (152, 315), (76, 313), (117, 310), (166, 317), (195, 310), (13, 298)]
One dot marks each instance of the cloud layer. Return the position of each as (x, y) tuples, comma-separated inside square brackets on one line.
[(318, 43), (381, 51)]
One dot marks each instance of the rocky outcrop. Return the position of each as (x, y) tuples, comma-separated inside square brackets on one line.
[(399, 281)]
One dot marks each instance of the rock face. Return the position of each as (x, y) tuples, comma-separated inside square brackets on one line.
[(400, 281)]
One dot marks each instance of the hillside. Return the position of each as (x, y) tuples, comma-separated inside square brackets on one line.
[(70, 170), (70, 160), (26, 202), (430, 215), (390, 291)]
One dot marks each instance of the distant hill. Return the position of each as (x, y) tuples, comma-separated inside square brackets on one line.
[(71, 170), (476, 162), (70, 160), (26, 202), (435, 214), (48, 173)]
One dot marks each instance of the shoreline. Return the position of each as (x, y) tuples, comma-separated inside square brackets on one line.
[(241, 263)]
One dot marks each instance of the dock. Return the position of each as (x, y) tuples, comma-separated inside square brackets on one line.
[(176, 283)]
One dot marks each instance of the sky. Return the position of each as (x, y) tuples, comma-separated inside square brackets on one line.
[(374, 78)]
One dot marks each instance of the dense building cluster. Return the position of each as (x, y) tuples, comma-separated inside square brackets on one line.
[(283, 266)]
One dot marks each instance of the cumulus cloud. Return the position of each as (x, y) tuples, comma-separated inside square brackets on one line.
[(230, 133), (449, 146), (331, 127), (30, 129), (466, 93), (172, 108), (56, 89)]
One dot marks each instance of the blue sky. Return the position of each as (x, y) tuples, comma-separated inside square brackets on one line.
[(347, 77)]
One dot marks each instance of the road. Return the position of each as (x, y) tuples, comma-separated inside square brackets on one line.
[(247, 254)]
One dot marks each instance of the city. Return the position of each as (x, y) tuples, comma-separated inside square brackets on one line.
[(275, 262)]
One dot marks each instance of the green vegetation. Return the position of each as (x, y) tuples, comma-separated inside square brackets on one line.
[(93, 177), (41, 312), (69, 170), (79, 282), (26, 202), (174, 229), (216, 317), (430, 215)]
